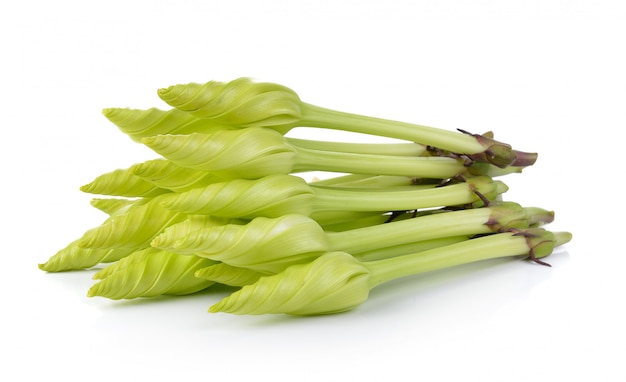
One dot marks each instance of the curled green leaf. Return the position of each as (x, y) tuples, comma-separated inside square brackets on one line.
[(74, 257), (138, 124), (167, 175), (332, 283), (250, 153), (150, 273), (122, 182), (270, 196), (112, 205), (188, 229), (229, 275), (267, 245), (133, 229), (241, 102)]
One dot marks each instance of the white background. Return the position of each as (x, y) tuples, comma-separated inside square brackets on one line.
[(545, 76)]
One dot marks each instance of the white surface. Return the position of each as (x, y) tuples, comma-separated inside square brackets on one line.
[(546, 76)]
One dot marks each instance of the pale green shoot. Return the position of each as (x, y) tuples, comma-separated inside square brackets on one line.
[(337, 282)]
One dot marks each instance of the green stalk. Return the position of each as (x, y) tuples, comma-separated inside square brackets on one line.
[(423, 167), (361, 180), (341, 179), (270, 245), (245, 103), (536, 241), (539, 217), (342, 220), (404, 249), (464, 222), (400, 149), (337, 282), (277, 195), (239, 276), (455, 194), (315, 116), (256, 152), (365, 221), (473, 146)]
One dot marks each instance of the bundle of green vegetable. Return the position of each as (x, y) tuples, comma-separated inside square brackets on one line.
[(224, 203)]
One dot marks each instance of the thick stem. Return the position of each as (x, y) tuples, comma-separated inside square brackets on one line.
[(487, 247), (368, 181), (539, 216), (344, 220), (367, 221), (561, 238), (315, 116), (341, 179), (474, 146), (404, 249), (524, 159), (498, 217), (277, 195), (463, 222), (450, 195), (423, 167), (400, 149)]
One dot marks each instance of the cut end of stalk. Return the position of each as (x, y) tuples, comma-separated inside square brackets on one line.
[(500, 155), (497, 153), (540, 242), (524, 159), (562, 238), (506, 215), (539, 216)]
